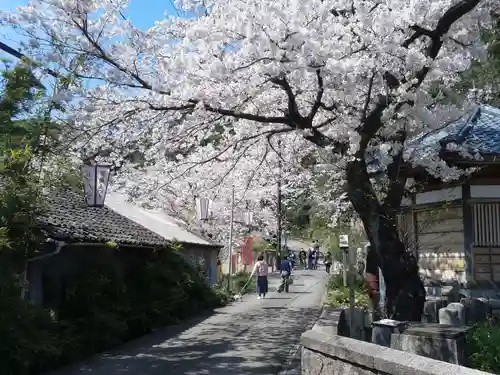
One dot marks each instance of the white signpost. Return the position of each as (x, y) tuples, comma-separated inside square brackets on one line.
[(344, 246), (343, 241)]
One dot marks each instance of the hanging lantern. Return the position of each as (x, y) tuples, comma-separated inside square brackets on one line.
[(248, 218), (96, 180), (203, 206)]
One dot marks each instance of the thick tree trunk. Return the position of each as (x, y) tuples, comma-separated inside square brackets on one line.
[(405, 292)]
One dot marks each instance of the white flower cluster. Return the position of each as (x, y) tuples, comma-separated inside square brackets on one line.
[(245, 91)]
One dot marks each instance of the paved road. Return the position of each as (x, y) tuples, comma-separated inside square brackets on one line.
[(246, 338)]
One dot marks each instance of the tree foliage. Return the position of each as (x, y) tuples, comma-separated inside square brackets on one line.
[(355, 79), (20, 136), (484, 76)]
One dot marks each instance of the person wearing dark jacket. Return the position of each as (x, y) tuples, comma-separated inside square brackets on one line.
[(286, 271), (372, 277)]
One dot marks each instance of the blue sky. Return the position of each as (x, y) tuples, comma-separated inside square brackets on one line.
[(143, 13)]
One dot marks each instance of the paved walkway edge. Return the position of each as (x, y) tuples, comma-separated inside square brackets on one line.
[(292, 365)]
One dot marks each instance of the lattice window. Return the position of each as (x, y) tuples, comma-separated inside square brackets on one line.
[(486, 241), (486, 218)]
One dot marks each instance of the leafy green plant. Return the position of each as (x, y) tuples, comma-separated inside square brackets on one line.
[(483, 342), (28, 338), (93, 315), (238, 281), (338, 294), (104, 304)]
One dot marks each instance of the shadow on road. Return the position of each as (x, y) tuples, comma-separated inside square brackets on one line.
[(250, 343)]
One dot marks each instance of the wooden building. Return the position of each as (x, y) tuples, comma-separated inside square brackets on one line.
[(454, 228)]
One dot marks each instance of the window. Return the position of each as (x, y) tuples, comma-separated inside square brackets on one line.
[(486, 219), (486, 241)]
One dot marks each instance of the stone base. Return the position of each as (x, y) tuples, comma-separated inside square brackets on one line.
[(323, 354), (444, 343)]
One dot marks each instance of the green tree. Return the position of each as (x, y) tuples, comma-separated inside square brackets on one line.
[(26, 332), (486, 74), (21, 134)]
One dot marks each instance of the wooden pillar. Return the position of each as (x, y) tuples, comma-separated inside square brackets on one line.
[(414, 218), (468, 232)]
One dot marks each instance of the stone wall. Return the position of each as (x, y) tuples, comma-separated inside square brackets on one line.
[(324, 354)]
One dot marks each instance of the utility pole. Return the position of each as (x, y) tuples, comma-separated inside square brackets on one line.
[(280, 211), (230, 250)]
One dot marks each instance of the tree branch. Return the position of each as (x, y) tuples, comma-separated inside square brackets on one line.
[(319, 95), (368, 96)]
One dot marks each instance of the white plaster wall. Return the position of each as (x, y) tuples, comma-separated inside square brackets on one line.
[(442, 195), (485, 191)]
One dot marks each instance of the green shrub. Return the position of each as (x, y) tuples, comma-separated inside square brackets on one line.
[(238, 281), (338, 294), (93, 316), (222, 296), (167, 289), (483, 343), (104, 306), (337, 282), (27, 334)]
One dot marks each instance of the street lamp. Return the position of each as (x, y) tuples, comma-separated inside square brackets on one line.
[(203, 206), (96, 179), (248, 218)]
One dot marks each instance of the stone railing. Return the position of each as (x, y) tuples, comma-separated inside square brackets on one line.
[(323, 354)]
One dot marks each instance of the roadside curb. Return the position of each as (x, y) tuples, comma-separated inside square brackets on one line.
[(292, 366)]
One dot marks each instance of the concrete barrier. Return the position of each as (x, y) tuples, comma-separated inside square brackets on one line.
[(324, 354)]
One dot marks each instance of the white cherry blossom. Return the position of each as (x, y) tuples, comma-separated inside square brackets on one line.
[(202, 101)]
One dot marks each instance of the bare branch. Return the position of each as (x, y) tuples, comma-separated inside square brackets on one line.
[(319, 95), (368, 96)]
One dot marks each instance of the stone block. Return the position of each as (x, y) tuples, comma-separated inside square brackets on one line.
[(493, 302), (358, 326), (323, 354), (336, 322), (332, 322), (437, 341), (453, 314), (431, 309), (451, 292), (476, 310), (383, 329)]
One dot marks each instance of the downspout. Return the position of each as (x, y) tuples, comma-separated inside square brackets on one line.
[(59, 246)]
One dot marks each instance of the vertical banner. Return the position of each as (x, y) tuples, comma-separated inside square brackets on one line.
[(246, 251)]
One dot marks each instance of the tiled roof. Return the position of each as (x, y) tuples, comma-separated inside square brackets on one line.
[(477, 131), (68, 218), (155, 220)]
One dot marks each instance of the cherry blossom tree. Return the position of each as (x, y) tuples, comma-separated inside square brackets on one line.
[(208, 98)]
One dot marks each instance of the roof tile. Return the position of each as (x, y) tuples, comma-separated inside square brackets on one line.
[(68, 217)]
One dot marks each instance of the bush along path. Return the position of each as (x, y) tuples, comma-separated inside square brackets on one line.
[(104, 307), (245, 338)]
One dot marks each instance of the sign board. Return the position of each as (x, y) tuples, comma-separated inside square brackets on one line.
[(343, 240)]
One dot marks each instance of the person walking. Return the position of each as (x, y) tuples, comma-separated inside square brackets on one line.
[(328, 261), (260, 269), (286, 272), (310, 259), (317, 254), (302, 258), (291, 258)]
